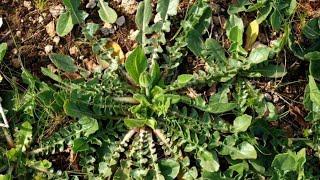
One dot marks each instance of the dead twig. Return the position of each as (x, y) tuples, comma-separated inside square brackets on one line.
[(5, 126), (5, 121)]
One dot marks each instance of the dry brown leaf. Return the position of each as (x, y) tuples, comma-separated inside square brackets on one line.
[(72, 76), (90, 64), (50, 29)]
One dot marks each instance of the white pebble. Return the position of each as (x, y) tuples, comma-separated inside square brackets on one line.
[(56, 40), (129, 6), (27, 4), (18, 33), (40, 19), (15, 51), (48, 49), (73, 50)]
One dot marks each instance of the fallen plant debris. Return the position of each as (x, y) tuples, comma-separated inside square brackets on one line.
[(166, 89)]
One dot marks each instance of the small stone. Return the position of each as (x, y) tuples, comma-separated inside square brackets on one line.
[(18, 33), (276, 98), (73, 50), (44, 14), (48, 48), (107, 31), (51, 29), (91, 4), (56, 40), (268, 97), (15, 51), (56, 10), (16, 62), (129, 6), (120, 21), (40, 19), (27, 4)]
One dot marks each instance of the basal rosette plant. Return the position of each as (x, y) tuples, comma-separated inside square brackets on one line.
[(143, 117)]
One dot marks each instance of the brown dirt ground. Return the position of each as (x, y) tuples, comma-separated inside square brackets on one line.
[(27, 38)]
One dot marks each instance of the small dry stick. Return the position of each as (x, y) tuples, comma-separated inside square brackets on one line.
[(4, 126)]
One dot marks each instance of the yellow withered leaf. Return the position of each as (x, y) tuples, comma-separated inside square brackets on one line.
[(117, 51), (251, 34)]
